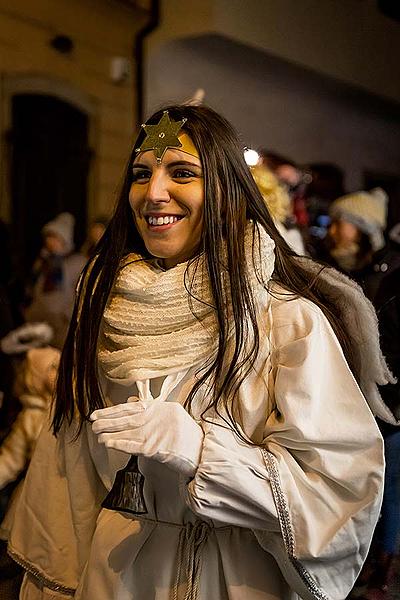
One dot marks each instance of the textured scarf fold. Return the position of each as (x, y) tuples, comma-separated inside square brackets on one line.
[(158, 322)]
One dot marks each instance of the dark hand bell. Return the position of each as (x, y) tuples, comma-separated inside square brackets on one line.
[(126, 493)]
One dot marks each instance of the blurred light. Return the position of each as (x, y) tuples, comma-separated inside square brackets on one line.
[(251, 157), (323, 221)]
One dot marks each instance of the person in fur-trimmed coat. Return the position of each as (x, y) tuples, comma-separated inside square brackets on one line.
[(34, 387)]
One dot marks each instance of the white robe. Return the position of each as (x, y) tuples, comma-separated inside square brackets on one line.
[(295, 519)]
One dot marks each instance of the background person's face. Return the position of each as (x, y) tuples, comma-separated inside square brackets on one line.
[(343, 233), (167, 201), (54, 243), (96, 231)]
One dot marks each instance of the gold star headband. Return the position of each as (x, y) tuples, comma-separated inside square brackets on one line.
[(166, 135)]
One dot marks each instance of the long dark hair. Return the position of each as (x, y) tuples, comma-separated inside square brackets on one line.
[(231, 200)]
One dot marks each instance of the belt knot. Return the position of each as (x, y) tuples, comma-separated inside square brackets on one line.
[(191, 542)]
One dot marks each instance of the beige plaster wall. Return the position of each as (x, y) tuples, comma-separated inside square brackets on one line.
[(100, 30)]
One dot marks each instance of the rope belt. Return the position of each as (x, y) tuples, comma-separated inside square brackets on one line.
[(191, 543), (192, 537)]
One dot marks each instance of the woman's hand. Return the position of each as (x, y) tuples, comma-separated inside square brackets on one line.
[(162, 431)]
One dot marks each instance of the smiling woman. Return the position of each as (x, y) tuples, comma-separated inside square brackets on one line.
[(167, 200), (205, 352)]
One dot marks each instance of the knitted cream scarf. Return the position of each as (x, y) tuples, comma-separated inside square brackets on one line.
[(153, 327)]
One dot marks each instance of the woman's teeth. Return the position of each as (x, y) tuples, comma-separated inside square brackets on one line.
[(162, 220)]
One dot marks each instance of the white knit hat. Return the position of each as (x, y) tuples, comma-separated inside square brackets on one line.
[(366, 210), (63, 226)]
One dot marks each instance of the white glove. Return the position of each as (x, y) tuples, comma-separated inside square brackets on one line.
[(162, 431)]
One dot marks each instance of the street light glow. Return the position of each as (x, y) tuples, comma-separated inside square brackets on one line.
[(251, 157)]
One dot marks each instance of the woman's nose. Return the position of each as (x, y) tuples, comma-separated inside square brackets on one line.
[(157, 189)]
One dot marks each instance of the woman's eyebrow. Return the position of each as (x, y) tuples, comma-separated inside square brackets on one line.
[(176, 163)]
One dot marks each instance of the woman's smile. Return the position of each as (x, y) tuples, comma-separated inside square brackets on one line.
[(162, 222)]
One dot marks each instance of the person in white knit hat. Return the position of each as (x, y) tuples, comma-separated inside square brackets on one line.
[(54, 277), (354, 215), (59, 234), (356, 244), (210, 437)]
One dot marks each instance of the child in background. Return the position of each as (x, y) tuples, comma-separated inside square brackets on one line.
[(54, 277)]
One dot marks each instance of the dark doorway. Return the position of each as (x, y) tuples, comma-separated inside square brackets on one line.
[(49, 169)]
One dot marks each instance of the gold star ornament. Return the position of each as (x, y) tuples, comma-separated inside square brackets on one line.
[(164, 135)]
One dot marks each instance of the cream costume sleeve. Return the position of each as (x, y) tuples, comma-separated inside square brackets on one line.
[(312, 497)]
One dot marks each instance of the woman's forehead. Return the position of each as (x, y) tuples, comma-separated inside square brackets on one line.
[(171, 155)]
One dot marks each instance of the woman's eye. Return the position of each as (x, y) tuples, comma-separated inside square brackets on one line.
[(183, 174), (141, 176)]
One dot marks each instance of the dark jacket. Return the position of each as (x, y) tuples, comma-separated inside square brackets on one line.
[(387, 303)]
